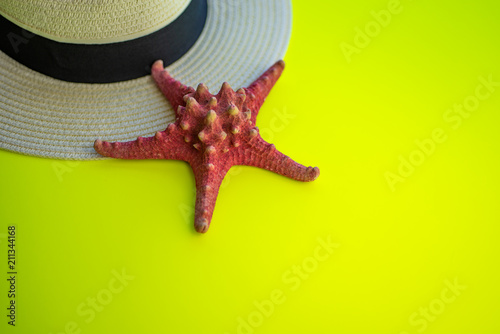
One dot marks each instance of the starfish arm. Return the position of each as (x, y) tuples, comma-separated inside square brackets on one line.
[(264, 155), (208, 180), (260, 88), (173, 90), (158, 147)]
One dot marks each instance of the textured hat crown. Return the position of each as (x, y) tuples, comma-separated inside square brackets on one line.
[(92, 21)]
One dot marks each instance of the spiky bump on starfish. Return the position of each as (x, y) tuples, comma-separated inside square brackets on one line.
[(212, 133)]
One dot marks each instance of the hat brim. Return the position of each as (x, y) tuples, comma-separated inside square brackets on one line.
[(46, 117)]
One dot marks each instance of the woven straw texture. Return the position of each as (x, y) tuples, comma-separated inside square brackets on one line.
[(45, 117), (92, 21)]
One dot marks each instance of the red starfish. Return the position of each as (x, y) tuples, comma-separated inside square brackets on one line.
[(212, 133)]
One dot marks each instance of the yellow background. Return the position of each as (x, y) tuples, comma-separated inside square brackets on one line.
[(398, 251)]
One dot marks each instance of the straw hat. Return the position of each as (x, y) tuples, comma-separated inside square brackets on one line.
[(72, 71)]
